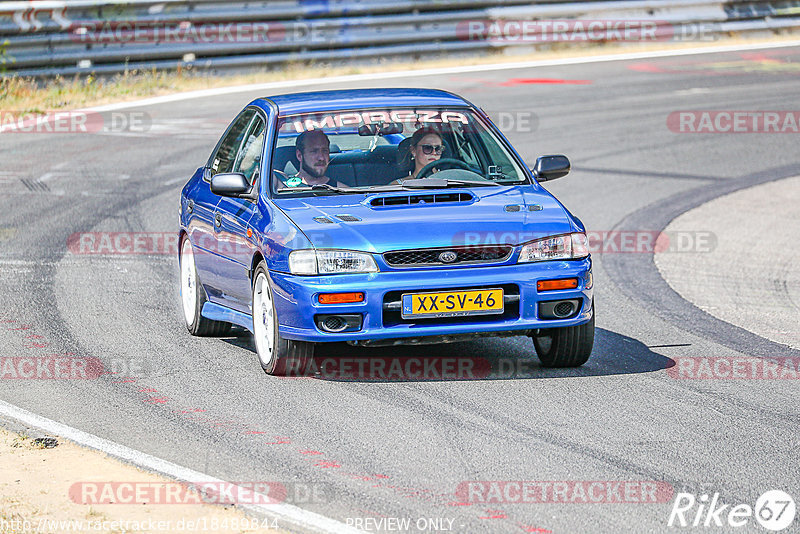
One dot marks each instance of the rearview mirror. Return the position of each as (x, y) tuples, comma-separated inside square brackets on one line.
[(550, 167), (229, 184), (386, 128)]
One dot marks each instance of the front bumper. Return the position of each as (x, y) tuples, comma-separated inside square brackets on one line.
[(296, 300)]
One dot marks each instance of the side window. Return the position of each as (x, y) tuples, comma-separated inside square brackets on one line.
[(248, 160), (225, 156), (499, 162)]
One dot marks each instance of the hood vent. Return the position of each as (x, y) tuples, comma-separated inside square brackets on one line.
[(348, 218), (413, 200), (323, 220)]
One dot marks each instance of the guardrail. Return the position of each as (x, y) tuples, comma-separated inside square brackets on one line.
[(45, 38)]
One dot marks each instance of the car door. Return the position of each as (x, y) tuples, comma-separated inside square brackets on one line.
[(210, 264), (236, 248)]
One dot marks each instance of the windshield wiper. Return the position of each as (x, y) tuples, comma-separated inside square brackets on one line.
[(441, 183), (314, 189), (479, 183)]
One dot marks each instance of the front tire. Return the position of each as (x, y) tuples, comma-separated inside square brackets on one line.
[(278, 356), (568, 346), (193, 297)]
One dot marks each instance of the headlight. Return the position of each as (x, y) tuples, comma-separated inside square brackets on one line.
[(560, 247), (312, 262)]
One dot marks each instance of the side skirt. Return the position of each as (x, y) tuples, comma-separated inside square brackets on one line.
[(221, 313)]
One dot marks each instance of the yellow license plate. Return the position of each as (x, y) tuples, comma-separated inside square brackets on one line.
[(452, 303)]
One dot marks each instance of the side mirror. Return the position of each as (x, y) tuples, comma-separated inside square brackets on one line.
[(229, 184), (550, 167)]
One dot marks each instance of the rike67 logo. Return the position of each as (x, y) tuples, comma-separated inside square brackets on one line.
[(774, 510)]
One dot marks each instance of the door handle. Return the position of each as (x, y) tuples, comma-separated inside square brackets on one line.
[(218, 220)]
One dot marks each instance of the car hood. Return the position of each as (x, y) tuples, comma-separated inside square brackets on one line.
[(485, 215)]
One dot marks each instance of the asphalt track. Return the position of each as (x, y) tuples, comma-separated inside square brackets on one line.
[(401, 448)]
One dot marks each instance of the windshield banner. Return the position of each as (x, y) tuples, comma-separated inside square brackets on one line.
[(354, 119)]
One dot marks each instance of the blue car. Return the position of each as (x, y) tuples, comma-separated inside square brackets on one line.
[(380, 217)]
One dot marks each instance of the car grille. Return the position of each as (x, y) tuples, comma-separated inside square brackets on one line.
[(433, 256)]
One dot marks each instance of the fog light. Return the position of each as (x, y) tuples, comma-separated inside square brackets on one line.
[(563, 309), (346, 322), (334, 323), (559, 309)]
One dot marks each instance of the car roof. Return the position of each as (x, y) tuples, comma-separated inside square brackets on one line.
[(292, 103)]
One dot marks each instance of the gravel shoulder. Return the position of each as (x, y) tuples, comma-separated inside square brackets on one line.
[(46, 487)]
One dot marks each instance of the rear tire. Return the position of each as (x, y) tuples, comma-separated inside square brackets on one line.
[(278, 356), (193, 297), (568, 346)]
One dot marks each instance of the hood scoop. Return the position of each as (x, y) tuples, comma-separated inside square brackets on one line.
[(419, 199)]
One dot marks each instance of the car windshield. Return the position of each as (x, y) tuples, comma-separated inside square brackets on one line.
[(342, 152)]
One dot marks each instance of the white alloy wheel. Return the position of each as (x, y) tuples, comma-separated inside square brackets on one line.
[(263, 320), (188, 282)]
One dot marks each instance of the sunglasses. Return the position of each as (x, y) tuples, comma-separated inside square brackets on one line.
[(430, 149)]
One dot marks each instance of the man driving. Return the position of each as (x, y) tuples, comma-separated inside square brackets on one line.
[(313, 151)]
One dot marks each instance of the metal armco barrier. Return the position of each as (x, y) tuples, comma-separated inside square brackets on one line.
[(45, 38)]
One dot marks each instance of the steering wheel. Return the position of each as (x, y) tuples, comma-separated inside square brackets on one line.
[(451, 163)]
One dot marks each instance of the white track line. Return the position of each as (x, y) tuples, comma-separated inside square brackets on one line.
[(288, 84), (290, 514)]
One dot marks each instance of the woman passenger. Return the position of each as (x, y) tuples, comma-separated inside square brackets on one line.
[(426, 146)]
